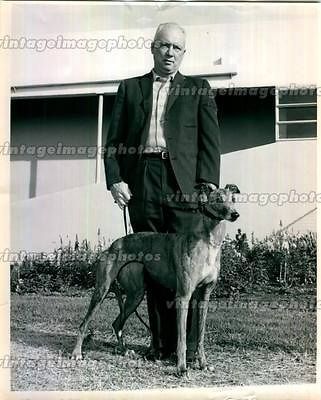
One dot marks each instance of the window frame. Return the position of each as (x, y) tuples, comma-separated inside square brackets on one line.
[(278, 122)]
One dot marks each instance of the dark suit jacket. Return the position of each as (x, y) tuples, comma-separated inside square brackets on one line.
[(191, 131)]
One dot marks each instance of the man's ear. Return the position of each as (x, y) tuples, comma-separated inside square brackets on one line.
[(232, 188), (155, 44)]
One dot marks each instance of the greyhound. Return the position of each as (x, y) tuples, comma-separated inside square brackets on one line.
[(183, 262)]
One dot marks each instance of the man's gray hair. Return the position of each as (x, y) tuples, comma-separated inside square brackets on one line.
[(166, 25)]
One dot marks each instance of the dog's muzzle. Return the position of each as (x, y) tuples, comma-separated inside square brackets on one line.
[(234, 216)]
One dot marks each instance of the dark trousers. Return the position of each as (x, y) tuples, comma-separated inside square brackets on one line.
[(153, 208)]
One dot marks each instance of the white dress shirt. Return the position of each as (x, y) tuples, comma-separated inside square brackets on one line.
[(156, 141)]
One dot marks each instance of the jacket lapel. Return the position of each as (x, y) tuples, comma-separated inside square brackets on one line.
[(174, 91), (146, 84)]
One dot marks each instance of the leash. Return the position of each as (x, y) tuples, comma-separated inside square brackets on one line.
[(142, 321), (127, 231), (125, 220)]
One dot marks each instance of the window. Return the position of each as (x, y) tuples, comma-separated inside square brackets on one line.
[(296, 113), (67, 126), (246, 117)]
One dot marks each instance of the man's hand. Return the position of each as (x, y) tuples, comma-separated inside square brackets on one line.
[(121, 194), (210, 186), (203, 196)]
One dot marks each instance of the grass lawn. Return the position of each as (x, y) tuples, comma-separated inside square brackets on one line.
[(245, 345)]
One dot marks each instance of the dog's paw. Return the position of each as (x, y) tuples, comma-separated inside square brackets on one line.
[(192, 364), (202, 364), (202, 359), (76, 355), (152, 355), (182, 372), (120, 350), (130, 353)]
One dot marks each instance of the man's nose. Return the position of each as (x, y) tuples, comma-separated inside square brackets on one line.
[(170, 50)]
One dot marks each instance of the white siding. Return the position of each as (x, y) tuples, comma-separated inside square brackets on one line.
[(274, 168)]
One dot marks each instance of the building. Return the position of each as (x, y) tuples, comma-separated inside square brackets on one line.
[(261, 59)]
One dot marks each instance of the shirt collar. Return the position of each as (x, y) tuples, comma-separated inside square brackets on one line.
[(171, 76)]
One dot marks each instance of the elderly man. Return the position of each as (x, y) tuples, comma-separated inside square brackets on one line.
[(163, 141)]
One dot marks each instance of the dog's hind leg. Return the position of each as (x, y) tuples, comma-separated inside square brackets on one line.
[(131, 279), (115, 324), (96, 300), (103, 282), (131, 303)]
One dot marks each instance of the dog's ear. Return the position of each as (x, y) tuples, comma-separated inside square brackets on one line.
[(232, 188)]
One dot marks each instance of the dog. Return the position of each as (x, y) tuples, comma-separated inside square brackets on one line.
[(183, 262)]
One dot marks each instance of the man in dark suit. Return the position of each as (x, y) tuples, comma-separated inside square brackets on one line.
[(163, 141)]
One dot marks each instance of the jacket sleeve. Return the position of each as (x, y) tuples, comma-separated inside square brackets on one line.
[(115, 136), (209, 144)]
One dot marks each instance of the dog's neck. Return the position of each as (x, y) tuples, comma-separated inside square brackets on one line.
[(215, 230)]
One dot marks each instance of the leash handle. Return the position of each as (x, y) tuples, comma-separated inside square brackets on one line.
[(125, 219), (127, 229)]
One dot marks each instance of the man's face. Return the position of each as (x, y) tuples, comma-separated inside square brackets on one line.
[(168, 50)]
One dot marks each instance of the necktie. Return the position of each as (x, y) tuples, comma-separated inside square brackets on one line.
[(159, 106)]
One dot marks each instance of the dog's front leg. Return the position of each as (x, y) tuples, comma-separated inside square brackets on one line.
[(182, 303), (202, 308)]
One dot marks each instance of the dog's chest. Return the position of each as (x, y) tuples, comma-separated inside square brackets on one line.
[(204, 260)]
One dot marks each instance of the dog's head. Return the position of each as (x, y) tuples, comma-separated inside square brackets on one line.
[(219, 203)]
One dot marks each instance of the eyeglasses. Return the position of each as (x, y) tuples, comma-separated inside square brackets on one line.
[(165, 46)]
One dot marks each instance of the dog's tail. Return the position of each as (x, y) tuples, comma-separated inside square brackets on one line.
[(108, 267)]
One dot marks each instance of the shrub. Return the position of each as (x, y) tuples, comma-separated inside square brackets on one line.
[(282, 260), (67, 267)]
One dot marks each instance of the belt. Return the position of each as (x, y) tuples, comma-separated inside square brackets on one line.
[(163, 155)]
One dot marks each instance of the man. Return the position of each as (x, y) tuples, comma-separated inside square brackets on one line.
[(163, 141)]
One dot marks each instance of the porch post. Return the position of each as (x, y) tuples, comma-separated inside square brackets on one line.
[(99, 137)]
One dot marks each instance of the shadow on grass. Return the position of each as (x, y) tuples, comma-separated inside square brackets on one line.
[(65, 343)]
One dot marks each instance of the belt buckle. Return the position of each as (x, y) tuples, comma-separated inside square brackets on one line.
[(164, 155)]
